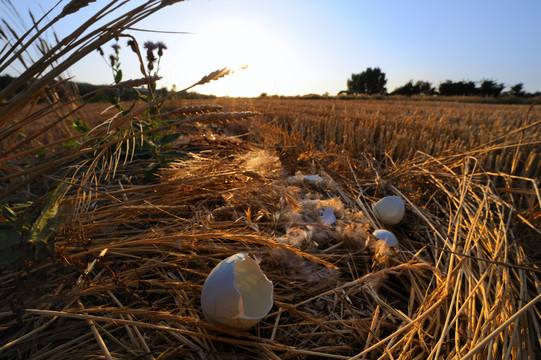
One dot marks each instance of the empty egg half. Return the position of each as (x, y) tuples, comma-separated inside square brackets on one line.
[(236, 293)]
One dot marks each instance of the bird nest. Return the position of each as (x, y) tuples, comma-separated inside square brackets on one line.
[(126, 276)]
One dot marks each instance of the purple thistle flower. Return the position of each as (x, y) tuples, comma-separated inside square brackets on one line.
[(115, 47), (161, 47), (150, 46)]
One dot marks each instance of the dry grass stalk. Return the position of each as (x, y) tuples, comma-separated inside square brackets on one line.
[(75, 5), (136, 82), (458, 261)]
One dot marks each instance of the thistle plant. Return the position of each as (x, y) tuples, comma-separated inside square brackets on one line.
[(114, 59), (114, 62), (154, 137), (154, 143), (153, 70), (151, 58)]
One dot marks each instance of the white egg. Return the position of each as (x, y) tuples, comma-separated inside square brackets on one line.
[(390, 210), (236, 293), (387, 237)]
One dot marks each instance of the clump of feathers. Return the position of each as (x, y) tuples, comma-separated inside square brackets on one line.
[(311, 221)]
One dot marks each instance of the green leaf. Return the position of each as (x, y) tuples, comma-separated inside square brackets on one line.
[(81, 126), (118, 76), (140, 96), (71, 144), (9, 214), (49, 220), (149, 144), (118, 106), (127, 111), (169, 138)]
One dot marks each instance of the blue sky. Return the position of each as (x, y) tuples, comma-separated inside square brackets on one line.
[(298, 46)]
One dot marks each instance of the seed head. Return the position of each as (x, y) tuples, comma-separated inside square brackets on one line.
[(131, 44)]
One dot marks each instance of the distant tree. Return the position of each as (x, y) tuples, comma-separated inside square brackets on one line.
[(461, 88), (407, 89), (518, 90), (447, 88), (371, 81), (490, 88), (420, 88), (424, 88), (467, 88)]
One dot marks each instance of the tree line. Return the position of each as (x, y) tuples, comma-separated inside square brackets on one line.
[(373, 81), (102, 93)]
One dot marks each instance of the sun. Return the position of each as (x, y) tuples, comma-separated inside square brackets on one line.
[(255, 54)]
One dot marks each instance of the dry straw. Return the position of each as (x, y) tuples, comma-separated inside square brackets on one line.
[(133, 253), (459, 286)]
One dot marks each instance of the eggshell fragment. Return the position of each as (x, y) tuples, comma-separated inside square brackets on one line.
[(390, 210), (387, 237), (313, 180), (236, 293), (327, 216)]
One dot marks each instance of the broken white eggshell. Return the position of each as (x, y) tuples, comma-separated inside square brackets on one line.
[(327, 216), (387, 237), (390, 210), (236, 293)]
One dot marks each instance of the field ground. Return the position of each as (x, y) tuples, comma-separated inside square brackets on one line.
[(400, 129), (134, 250)]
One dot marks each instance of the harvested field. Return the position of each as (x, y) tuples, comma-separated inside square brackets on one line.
[(398, 130), (130, 262)]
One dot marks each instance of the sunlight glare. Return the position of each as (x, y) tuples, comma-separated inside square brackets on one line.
[(247, 45)]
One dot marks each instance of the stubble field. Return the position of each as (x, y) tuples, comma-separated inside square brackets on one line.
[(134, 248)]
